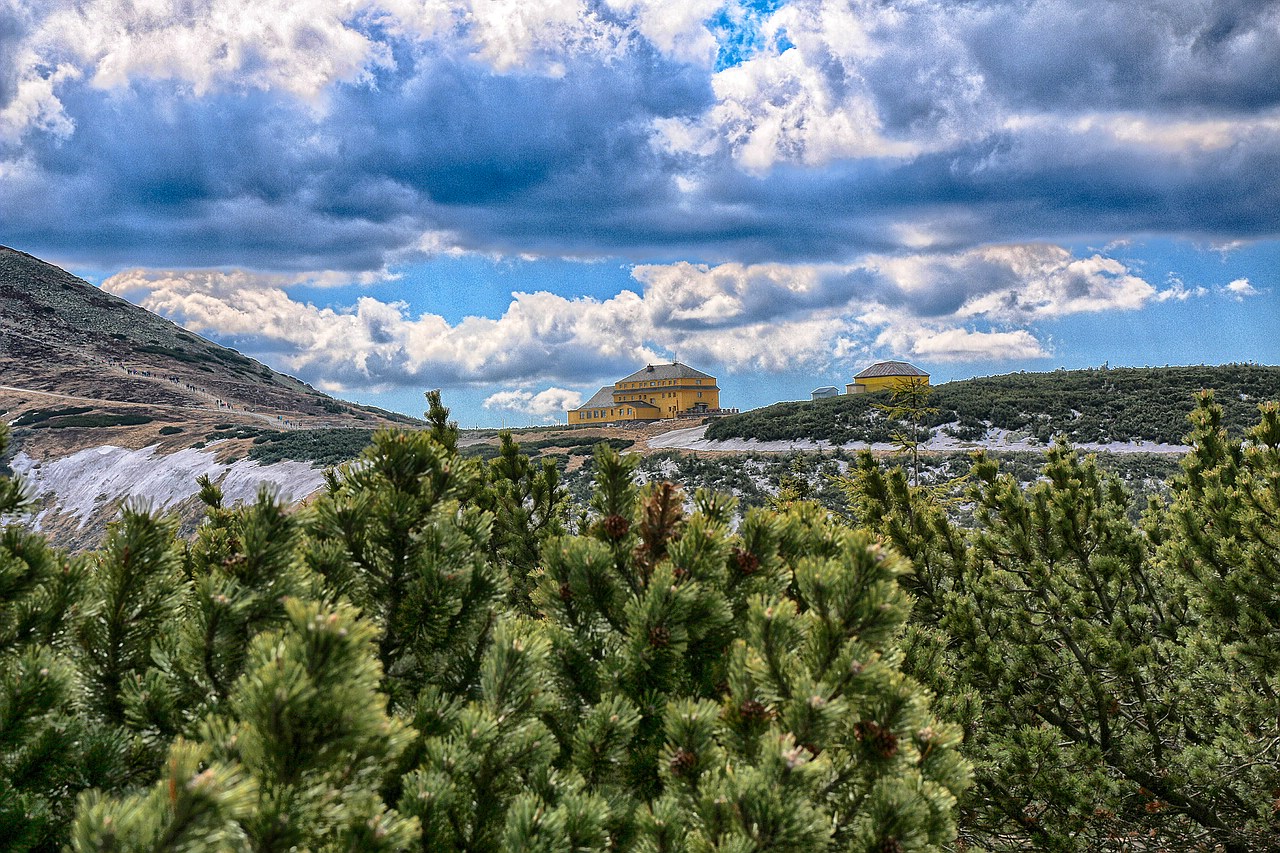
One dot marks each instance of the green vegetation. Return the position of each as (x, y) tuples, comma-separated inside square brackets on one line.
[(170, 430), (1085, 406), (74, 416), (573, 445), (440, 653), (36, 416), (1115, 679), (103, 420), (425, 660), (319, 446), (224, 431)]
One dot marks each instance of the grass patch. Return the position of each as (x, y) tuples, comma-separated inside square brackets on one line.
[(36, 416), (95, 421), (318, 446), (235, 431)]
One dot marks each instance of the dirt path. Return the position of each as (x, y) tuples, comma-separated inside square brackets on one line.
[(181, 407), (119, 368)]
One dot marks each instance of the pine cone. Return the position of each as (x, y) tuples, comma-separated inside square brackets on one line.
[(683, 761), (681, 573), (615, 527), (748, 563), (659, 636), (752, 711), (890, 845), (566, 594), (879, 739)]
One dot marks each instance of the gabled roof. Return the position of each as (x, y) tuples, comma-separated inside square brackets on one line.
[(659, 372), (602, 399), (825, 388), (890, 368)]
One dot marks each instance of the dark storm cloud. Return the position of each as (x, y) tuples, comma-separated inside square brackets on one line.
[(257, 180), (1215, 56), (12, 30), (524, 163)]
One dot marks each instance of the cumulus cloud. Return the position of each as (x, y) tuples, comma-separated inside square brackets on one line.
[(780, 108), (932, 342), (1052, 283), (1240, 289), (546, 404), (302, 135), (1180, 291), (378, 345), (766, 318)]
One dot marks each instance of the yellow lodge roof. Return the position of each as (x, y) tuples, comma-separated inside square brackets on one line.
[(890, 368), (602, 399), (674, 370)]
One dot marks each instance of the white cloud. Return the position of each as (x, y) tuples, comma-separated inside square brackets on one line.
[(1240, 289), (907, 336), (35, 106), (675, 27), (299, 47), (743, 318), (377, 345), (1180, 291), (546, 404), (1136, 130), (969, 345), (1051, 282), (304, 47), (779, 108), (699, 295)]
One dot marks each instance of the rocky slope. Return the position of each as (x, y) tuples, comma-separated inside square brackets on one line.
[(107, 402)]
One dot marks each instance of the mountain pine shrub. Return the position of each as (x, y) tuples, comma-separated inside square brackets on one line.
[(1115, 681)]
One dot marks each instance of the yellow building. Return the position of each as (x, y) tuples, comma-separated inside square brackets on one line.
[(656, 391), (884, 376)]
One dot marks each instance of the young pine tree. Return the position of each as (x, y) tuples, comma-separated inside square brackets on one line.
[(1100, 723), (44, 748), (686, 687), (529, 506), (242, 565), (400, 534), (294, 763), (753, 679)]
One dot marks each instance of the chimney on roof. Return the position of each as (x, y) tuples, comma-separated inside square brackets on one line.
[(649, 369)]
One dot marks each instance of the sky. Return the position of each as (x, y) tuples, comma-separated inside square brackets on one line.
[(520, 202)]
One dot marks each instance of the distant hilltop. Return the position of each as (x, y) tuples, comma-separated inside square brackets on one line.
[(61, 335), (1097, 406), (107, 402)]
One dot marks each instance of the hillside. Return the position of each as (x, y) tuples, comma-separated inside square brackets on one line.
[(107, 401), (1100, 406), (61, 335)]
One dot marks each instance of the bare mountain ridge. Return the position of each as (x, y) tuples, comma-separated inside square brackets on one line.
[(108, 402), (60, 334)]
